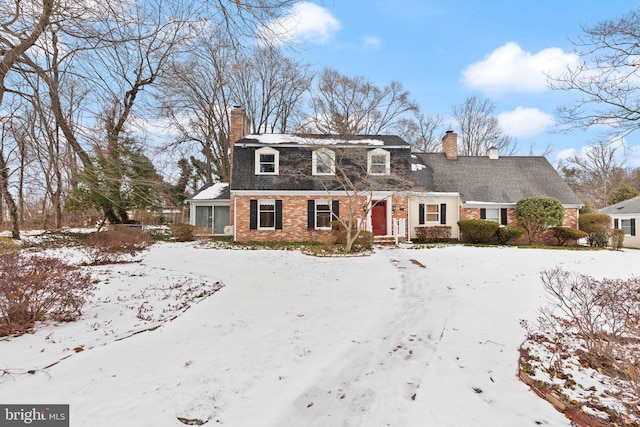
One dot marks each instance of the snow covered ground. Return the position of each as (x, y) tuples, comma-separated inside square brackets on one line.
[(402, 338)]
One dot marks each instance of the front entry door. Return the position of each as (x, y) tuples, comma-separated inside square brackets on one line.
[(379, 218)]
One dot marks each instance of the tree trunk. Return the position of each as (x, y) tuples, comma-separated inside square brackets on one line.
[(11, 204)]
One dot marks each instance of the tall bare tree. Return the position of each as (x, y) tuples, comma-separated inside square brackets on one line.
[(424, 133), (605, 82), (346, 105), (479, 129), (595, 173)]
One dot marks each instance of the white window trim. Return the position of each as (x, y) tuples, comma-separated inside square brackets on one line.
[(379, 152), (276, 159), (426, 213), (315, 213), (266, 202), (314, 161), (491, 219)]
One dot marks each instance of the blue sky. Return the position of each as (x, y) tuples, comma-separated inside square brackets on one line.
[(444, 52)]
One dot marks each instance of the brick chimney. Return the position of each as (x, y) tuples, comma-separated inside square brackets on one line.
[(238, 129), (450, 145)]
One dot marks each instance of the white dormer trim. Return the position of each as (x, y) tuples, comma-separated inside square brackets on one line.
[(314, 161), (373, 167), (259, 170)]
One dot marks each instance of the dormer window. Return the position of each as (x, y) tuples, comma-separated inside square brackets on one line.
[(323, 162), (267, 161), (379, 162)]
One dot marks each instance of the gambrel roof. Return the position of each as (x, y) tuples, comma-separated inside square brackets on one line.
[(480, 179)]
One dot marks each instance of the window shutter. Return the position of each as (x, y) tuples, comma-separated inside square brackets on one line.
[(483, 213), (420, 214), (335, 209), (278, 214), (503, 216), (633, 226), (443, 213), (253, 214), (615, 223), (311, 213)]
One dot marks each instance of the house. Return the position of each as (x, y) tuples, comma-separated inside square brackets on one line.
[(483, 187), (289, 187), (624, 215), (209, 211)]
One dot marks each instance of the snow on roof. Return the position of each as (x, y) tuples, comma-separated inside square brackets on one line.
[(211, 192), (285, 138), (417, 167)]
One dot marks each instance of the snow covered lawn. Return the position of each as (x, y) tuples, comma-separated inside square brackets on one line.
[(402, 338)]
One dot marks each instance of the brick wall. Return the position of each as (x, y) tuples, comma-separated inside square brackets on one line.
[(294, 218)]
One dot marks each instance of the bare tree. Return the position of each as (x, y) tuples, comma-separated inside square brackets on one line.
[(355, 106), (595, 174), (479, 129), (424, 133), (605, 81)]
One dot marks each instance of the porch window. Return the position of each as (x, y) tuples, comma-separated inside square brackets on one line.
[(212, 218)]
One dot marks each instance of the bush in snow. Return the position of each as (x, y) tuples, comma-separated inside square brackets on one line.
[(597, 225), (183, 232), (565, 234), (477, 230), (617, 239), (506, 234), (111, 246), (36, 288), (599, 322)]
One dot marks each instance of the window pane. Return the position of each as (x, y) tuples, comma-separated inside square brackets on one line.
[(324, 163), (323, 214), (433, 213), (220, 219), (267, 214), (493, 215), (203, 216), (379, 164), (625, 224), (267, 163)]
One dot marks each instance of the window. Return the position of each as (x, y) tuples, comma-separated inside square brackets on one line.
[(267, 161), (625, 224), (323, 214), (492, 214), (320, 213), (323, 162), (266, 214), (432, 213), (379, 162)]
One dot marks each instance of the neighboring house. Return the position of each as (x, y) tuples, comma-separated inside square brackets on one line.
[(210, 210), (624, 215), (284, 187)]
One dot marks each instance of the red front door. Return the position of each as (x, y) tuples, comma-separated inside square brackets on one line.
[(379, 218)]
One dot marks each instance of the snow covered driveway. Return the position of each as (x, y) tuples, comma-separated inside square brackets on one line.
[(401, 338)]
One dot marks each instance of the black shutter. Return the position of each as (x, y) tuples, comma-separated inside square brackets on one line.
[(633, 226), (253, 214), (615, 223), (311, 213), (278, 214), (503, 216), (335, 209), (443, 213), (483, 213), (421, 214)]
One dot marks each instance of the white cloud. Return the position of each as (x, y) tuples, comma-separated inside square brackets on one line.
[(306, 22), (372, 42), (524, 122), (511, 69), (565, 154)]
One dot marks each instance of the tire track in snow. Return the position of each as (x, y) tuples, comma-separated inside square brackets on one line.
[(374, 383)]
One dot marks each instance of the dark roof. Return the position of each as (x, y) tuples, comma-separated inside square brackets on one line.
[(481, 179), (630, 206)]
